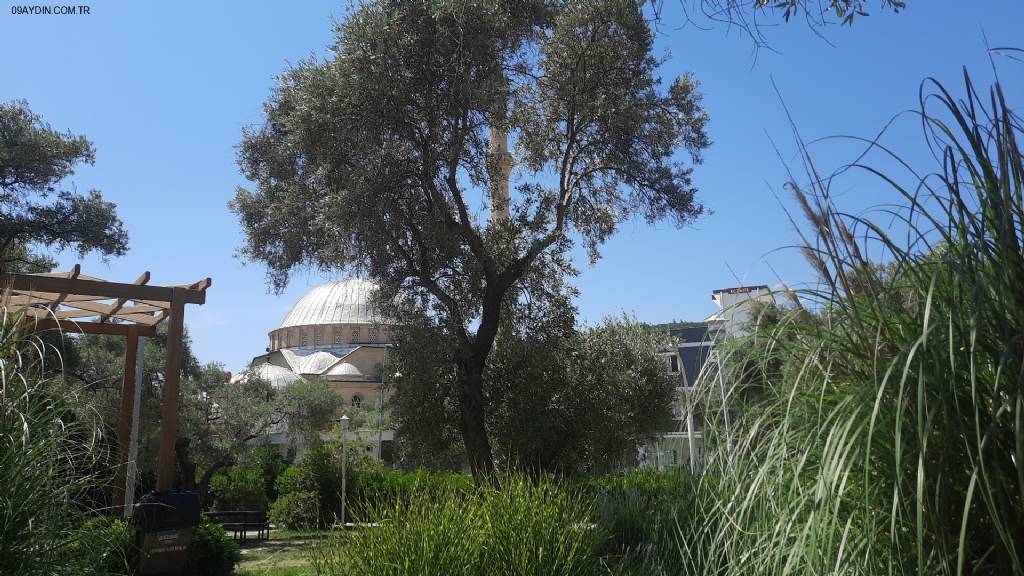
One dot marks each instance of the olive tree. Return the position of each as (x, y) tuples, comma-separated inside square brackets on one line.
[(34, 212), (394, 157)]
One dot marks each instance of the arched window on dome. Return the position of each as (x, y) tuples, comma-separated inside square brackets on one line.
[(357, 401)]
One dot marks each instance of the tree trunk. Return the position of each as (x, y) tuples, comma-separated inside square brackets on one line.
[(473, 426), (186, 468), (203, 488)]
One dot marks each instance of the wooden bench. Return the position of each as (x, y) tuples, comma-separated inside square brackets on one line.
[(241, 522)]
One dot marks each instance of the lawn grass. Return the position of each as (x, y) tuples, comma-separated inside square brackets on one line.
[(287, 553)]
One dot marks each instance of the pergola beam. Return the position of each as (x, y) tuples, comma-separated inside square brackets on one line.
[(90, 327), (121, 301), (56, 285)]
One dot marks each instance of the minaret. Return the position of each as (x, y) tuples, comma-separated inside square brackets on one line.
[(499, 165)]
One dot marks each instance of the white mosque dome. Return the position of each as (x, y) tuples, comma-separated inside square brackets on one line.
[(277, 376), (315, 363), (340, 302), (344, 369)]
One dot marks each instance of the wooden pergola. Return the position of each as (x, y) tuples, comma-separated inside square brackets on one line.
[(73, 302)]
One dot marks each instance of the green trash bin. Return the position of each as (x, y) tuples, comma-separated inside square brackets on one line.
[(163, 522)]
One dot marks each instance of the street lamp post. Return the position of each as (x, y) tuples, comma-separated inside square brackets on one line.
[(344, 421)]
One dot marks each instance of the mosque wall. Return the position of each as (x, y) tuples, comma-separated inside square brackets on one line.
[(328, 335)]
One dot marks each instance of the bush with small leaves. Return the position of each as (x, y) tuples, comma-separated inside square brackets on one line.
[(297, 511)]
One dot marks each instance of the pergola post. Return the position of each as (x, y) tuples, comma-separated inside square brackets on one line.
[(64, 300), (172, 385), (124, 422)]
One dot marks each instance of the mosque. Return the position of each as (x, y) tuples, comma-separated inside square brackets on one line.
[(333, 333)]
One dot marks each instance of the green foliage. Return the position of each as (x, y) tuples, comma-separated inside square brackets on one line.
[(50, 460), (665, 327), (754, 17), (591, 396), (219, 421), (295, 478), (105, 546), (319, 472), (649, 515), (391, 134), (34, 158), (239, 488), (268, 460), (539, 528), (886, 437), (376, 487), (296, 510), (428, 535), (211, 552), (92, 372), (225, 418), (525, 527)]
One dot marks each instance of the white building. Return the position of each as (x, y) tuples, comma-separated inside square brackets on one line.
[(694, 356), (332, 333)]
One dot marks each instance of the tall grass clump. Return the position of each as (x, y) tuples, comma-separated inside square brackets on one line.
[(880, 430), (539, 528), (525, 527), (48, 461), (422, 535), (648, 516)]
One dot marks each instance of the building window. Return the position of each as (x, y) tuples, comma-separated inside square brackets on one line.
[(372, 337), (355, 334), (672, 363), (337, 337), (318, 336), (305, 338), (357, 401)]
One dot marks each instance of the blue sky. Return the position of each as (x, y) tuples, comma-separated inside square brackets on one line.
[(163, 90)]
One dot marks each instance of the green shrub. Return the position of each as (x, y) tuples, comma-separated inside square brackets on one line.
[(239, 488), (212, 552), (271, 465), (525, 527), (539, 528), (297, 511), (295, 479), (379, 486), (319, 471), (50, 459), (649, 515), (633, 507), (424, 535), (105, 546)]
